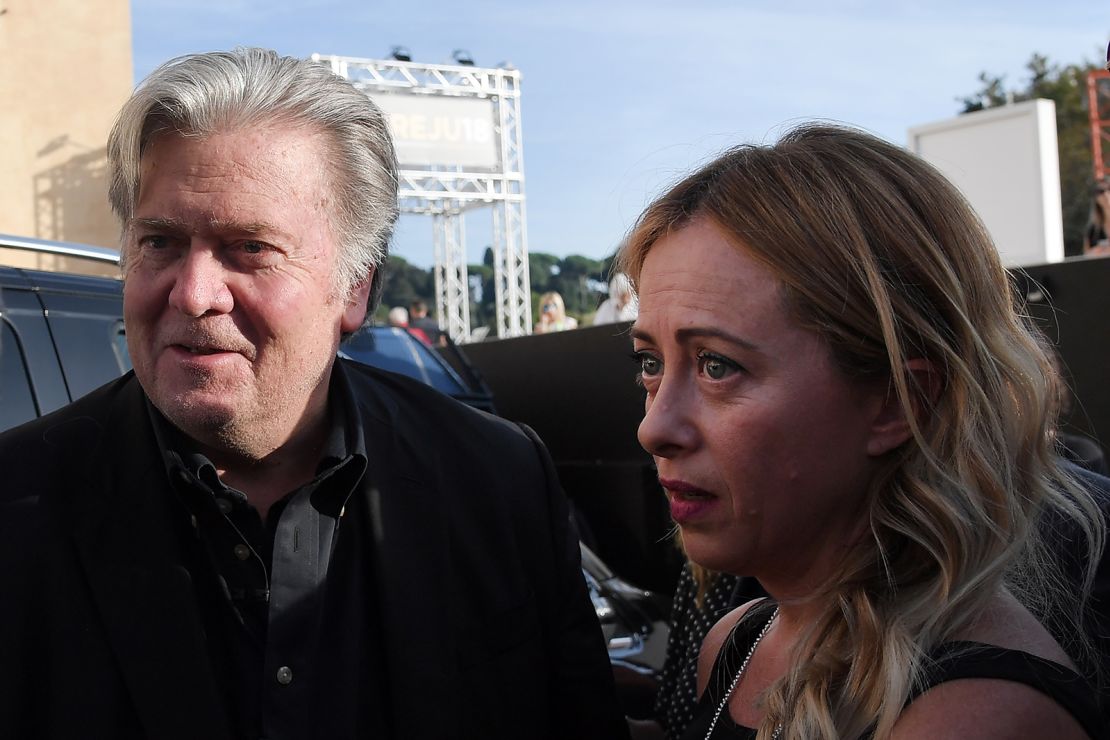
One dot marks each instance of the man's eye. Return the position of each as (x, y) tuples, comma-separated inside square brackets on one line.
[(153, 241), (255, 254), (716, 367), (649, 364)]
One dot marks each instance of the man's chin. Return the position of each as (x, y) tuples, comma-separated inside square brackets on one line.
[(199, 418)]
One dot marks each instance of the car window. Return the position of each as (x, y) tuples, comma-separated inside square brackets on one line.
[(119, 347), (88, 333), (394, 349), (17, 404)]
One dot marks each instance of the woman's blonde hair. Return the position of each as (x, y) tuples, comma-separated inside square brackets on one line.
[(878, 254), (555, 300)]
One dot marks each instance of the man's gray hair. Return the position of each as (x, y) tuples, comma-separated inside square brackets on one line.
[(215, 92)]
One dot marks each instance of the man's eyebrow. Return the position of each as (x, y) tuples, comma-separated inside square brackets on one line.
[(158, 224), (243, 227), (175, 225)]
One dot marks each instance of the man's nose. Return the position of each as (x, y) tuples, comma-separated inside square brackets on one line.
[(670, 424), (200, 284)]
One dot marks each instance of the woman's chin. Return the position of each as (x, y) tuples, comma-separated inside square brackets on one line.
[(711, 553)]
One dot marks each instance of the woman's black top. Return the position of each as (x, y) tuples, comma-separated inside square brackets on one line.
[(952, 661)]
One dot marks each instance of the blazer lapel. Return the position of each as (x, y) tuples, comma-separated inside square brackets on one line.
[(127, 544), (408, 522)]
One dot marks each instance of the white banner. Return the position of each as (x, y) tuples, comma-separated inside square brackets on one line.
[(442, 131), (1006, 163)]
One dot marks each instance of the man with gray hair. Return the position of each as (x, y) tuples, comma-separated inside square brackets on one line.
[(244, 538)]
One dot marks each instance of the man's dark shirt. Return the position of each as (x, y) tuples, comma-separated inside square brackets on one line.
[(261, 585)]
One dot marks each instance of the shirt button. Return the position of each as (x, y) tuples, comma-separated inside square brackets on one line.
[(242, 552), (285, 675), (223, 505)]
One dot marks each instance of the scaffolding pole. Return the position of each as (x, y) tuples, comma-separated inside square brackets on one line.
[(451, 280), (1098, 109)]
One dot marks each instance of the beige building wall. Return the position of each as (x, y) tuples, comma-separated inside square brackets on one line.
[(65, 70)]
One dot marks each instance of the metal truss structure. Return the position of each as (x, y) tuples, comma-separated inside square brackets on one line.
[(452, 286), (447, 192), (1098, 109)]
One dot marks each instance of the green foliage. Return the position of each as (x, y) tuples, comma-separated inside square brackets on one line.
[(404, 283), (541, 266), (484, 311), (574, 277), (578, 279), (1066, 86)]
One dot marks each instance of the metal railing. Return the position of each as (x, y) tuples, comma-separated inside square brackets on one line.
[(65, 249)]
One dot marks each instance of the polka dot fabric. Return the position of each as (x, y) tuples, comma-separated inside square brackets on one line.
[(678, 692)]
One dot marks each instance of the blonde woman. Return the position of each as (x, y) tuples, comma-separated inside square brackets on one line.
[(553, 315), (843, 402)]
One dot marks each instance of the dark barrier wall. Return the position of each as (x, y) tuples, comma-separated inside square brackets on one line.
[(1071, 303), (577, 390)]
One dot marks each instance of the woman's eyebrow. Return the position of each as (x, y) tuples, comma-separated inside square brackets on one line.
[(687, 333)]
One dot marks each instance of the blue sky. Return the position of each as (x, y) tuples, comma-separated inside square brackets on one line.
[(620, 98)]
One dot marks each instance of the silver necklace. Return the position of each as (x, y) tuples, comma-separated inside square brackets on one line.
[(740, 674)]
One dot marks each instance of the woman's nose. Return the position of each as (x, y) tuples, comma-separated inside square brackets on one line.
[(670, 424)]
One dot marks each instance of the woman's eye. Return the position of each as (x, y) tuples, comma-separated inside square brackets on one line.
[(649, 364), (715, 369), (715, 366)]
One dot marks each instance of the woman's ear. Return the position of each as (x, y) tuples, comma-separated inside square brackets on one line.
[(891, 426)]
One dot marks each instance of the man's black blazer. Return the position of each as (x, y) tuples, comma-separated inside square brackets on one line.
[(486, 625)]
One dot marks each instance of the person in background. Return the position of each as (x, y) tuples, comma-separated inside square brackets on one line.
[(398, 317), (429, 327), (621, 303), (553, 315), (1095, 240), (843, 402), (244, 537)]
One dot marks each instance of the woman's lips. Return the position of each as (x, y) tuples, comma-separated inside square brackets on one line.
[(688, 502)]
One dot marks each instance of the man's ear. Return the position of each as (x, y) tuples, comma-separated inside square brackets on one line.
[(354, 312), (890, 427)]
